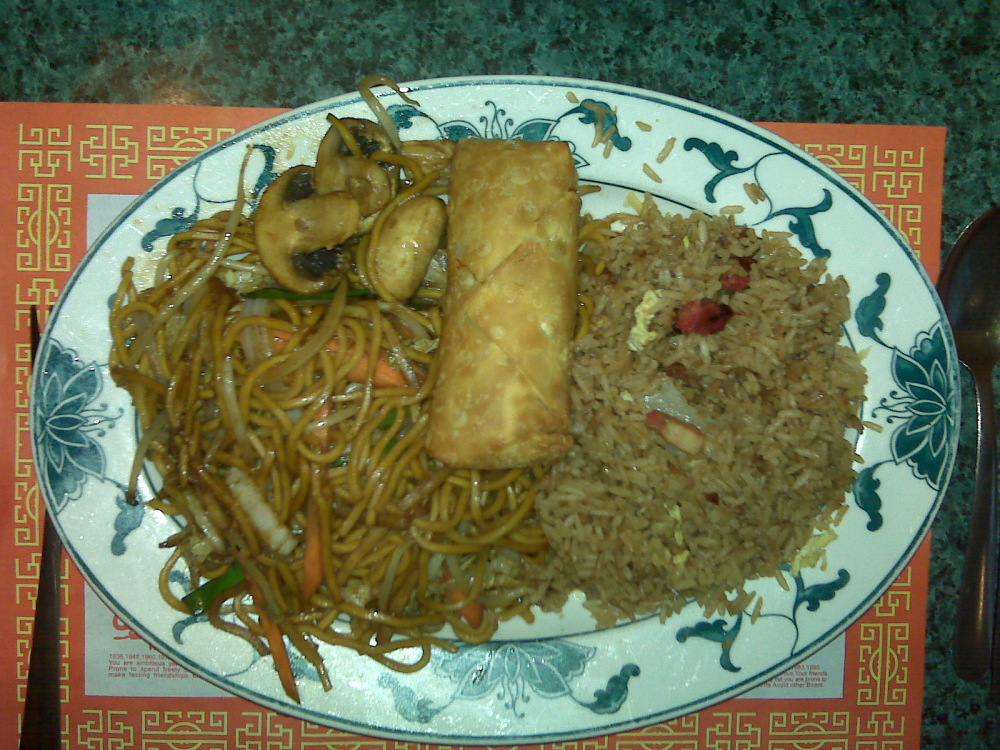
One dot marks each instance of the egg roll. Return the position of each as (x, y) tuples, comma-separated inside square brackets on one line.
[(501, 399)]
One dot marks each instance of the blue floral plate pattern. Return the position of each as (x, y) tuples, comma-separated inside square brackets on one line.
[(557, 678)]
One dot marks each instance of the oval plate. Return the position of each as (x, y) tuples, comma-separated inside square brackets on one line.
[(558, 678)]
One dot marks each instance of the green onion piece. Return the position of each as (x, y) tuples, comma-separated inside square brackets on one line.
[(390, 417), (387, 421), (278, 293), (199, 600)]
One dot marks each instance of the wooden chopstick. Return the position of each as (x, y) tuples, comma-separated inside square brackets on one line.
[(41, 727)]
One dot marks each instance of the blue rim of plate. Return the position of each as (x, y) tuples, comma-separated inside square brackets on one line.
[(604, 726)]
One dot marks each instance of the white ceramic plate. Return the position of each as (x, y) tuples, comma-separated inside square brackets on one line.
[(557, 679)]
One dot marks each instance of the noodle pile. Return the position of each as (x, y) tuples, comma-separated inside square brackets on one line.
[(297, 471)]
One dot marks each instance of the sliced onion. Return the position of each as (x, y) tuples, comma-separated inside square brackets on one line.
[(251, 499), (671, 401), (229, 403), (157, 431), (255, 340), (204, 523)]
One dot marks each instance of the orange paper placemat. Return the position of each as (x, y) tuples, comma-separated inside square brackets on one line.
[(63, 154)]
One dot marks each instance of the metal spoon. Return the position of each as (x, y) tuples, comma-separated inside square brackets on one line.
[(970, 290)]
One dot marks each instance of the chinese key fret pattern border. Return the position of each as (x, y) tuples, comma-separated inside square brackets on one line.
[(63, 153)]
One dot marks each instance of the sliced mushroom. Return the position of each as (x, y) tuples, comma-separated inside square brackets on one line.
[(432, 156), (339, 168), (299, 232), (410, 236), (368, 135)]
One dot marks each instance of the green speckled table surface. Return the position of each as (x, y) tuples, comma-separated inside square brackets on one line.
[(916, 62)]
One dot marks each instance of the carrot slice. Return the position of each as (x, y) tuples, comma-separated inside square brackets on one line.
[(472, 612), (320, 436), (312, 558), (277, 643), (386, 376)]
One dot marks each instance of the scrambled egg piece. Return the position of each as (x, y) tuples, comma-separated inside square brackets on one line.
[(640, 336), (675, 513)]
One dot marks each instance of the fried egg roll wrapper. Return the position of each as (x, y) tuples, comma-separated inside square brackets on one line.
[(502, 395)]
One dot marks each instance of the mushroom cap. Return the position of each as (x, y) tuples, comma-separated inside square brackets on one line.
[(369, 135), (410, 237), (299, 231), (338, 168)]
